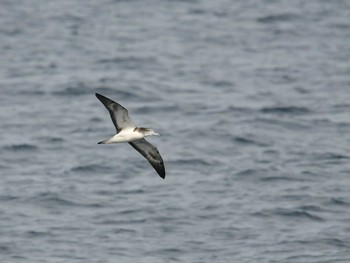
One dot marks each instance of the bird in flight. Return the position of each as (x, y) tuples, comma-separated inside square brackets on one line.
[(135, 136)]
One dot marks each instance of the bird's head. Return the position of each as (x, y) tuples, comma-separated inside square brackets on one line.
[(146, 131), (151, 132)]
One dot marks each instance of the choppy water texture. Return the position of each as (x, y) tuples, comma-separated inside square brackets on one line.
[(252, 99)]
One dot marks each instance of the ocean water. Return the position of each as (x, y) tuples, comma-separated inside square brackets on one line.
[(252, 101)]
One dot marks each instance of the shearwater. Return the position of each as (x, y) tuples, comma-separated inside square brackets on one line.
[(128, 132)]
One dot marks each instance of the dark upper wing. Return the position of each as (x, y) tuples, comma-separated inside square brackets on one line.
[(118, 113), (151, 153)]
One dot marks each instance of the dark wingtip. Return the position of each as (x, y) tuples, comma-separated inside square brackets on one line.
[(162, 175), (100, 97), (103, 99)]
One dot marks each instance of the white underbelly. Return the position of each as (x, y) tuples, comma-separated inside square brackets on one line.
[(127, 136)]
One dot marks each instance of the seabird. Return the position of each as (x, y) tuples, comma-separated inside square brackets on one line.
[(128, 132)]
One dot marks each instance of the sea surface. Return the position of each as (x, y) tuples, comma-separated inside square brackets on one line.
[(252, 101)]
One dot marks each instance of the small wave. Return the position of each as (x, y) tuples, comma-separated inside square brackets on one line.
[(21, 147), (132, 191), (247, 172), (4, 167), (342, 106), (75, 90), (239, 109), (90, 168), (102, 220), (339, 201), (293, 215), (277, 18), (11, 31), (219, 83), (190, 162), (33, 92), (173, 250), (285, 110), (314, 208), (50, 198), (298, 214), (151, 109), (243, 140), (279, 178), (129, 211), (8, 197), (5, 248), (124, 231), (129, 221), (284, 123), (55, 139), (129, 62), (336, 242), (183, 1), (342, 26), (263, 174), (33, 234), (122, 60), (332, 156), (197, 11), (50, 139), (247, 141)]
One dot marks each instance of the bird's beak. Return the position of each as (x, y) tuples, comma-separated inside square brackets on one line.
[(157, 134)]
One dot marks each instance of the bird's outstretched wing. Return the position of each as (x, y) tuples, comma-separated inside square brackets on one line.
[(118, 113), (151, 153)]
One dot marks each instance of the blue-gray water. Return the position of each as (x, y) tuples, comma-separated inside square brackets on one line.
[(252, 101)]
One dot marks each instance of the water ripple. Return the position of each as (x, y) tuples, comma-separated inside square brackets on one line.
[(293, 110), (277, 18), (301, 214), (77, 89), (91, 168), (21, 147)]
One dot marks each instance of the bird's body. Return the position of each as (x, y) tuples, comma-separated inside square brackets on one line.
[(128, 132)]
